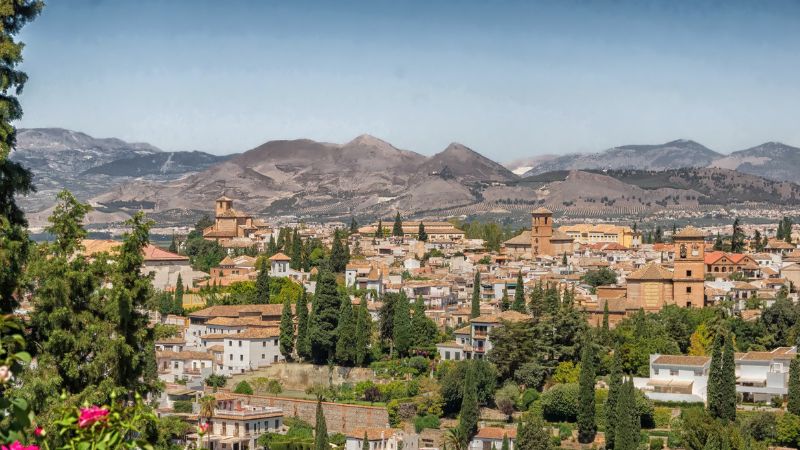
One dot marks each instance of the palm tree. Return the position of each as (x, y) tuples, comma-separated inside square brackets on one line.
[(455, 439), (207, 405)]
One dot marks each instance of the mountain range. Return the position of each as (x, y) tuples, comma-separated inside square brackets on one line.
[(368, 177)]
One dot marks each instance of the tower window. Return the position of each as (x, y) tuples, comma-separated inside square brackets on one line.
[(688, 289), (688, 273)]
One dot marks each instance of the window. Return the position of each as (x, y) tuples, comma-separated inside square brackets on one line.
[(241, 357), (275, 358), (264, 343), (688, 273), (457, 355), (446, 355), (231, 357), (673, 372), (688, 289), (175, 364), (263, 356), (275, 342), (230, 343), (240, 343)]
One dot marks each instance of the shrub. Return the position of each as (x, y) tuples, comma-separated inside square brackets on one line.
[(656, 444), (216, 381), (430, 422), (182, 406), (506, 398), (662, 416), (760, 426), (420, 364), (560, 403), (527, 398), (531, 375), (243, 388), (564, 431), (566, 372)]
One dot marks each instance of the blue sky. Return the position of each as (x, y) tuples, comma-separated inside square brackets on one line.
[(509, 79)]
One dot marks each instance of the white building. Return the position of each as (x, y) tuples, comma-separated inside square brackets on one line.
[(247, 350), (676, 378), (236, 425), (183, 365), (491, 438), (379, 439), (472, 342)]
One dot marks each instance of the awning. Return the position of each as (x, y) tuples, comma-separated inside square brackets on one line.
[(670, 383)]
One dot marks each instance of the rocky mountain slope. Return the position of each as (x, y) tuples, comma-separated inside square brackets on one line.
[(89, 166)]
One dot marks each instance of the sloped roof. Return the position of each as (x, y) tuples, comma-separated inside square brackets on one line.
[(496, 433), (681, 360), (153, 253), (541, 210), (279, 257), (690, 232), (523, 238), (652, 271)]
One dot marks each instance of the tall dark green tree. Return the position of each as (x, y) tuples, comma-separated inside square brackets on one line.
[(793, 404), (628, 425), (272, 247), (178, 309), (531, 434), (324, 318), (470, 412), (728, 381), (402, 325), (365, 442), (506, 445), (536, 306), (353, 225), (363, 332), (719, 244), (614, 388), (476, 295), (519, 295), (587, 425), (737, 237), (262, 284), (423, 330), (346, 335), (421, 234), (505, 302), (715, 377), (173, 246), (605, 317), (321, 430), (296, 256), (379, 229), (301, 309), (397, 228), (286, 338), (339, 256)]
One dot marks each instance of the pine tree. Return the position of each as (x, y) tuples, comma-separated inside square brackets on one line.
[(628, 425), (421, 234), (552, 299), (793, 404), (301, 309), (397, 228), (262, 284), (587, 425), (321, 430), (728, 381), (324, 319), (476, 295), (505, 302), (173, 246), (286, 339), (470, 412), (714, 389), (402, 325), (339, 257), (519, 295), (346, 335), (353, 225), (363, 332), (531, 434), (614, 387)]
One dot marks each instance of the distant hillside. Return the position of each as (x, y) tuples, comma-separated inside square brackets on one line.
[(770, 160), (165, 163)]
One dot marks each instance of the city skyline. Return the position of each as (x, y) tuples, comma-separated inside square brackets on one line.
[(508, 79)]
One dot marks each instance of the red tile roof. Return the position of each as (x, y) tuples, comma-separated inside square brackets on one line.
[(153, 253)]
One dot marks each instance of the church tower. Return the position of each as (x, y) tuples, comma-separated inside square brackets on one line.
[(689, 273), (541, 232), (223, 205)]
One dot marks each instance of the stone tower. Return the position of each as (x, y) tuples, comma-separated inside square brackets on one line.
[(541, 232), (223, 205), (689, 273)]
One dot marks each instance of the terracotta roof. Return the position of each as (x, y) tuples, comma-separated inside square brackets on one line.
[(559, 235), (712, 257), (237, 310), (523, 238), (94, 246), (496, 433), (652, 271), (171, 340), (279, 257), (216, 348), (775, 243), (690, 232), (250, 333), (680, 360), (509, 316), (184, 355), (153, 253)]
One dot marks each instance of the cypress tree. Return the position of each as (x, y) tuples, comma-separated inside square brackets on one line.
[(587, 426), (714, 441), (531, 434), (173, 246), (552, 299), (321, 430), (476, 295), (714, 394), (286, 339), (628, 425), (397, 228), (614, 387), (262, 284), (363, 332), (379, 229), (605, 318), (346, 334), (424, 331), (339, 256), (272, 247), (402, 325), (353, 225), (564, 259), (519, 295), (728, 381), (324, 318), (505, 302), (470, 412), (505, 445), (537, 299), (178, 309), (793, 405), (421, 234), (365, 442), (297, 251), (301, 308)]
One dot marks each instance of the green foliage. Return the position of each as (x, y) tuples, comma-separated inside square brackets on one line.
[(262, 284), (560, 403), (587, 426), (120, 426), (421, 234), (793, 405), (363, 333), (476, 295), (324, 318), (506, 398), (397, 227), (216, 381), (722, 380), (346, 333), (451, 381), (628, 425), (339, 255), (286, 338), (402, 325), (320, 430), (531, 434), (303, 342), (182, 406), (470, 412), (15, 410), (203, 254), (243, 387), (600, 277), (263, 385), (566, 372), (492, 233), (519, 296), (426, 422), (527, 398), (424, 331), (610, 407)]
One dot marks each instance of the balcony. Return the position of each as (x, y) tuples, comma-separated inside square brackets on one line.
[(248, 413)]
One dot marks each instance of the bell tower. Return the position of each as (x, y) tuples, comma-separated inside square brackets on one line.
[(689, 272), (541, 232), (223, 205)]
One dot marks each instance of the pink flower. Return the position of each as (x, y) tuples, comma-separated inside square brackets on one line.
[(202, 428), (17, 445), (91, 415), (38, 432)]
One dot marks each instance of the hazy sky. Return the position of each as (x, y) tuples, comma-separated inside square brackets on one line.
[(509, 79)]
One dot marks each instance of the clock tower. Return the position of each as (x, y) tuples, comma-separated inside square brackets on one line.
[(689, 272)]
